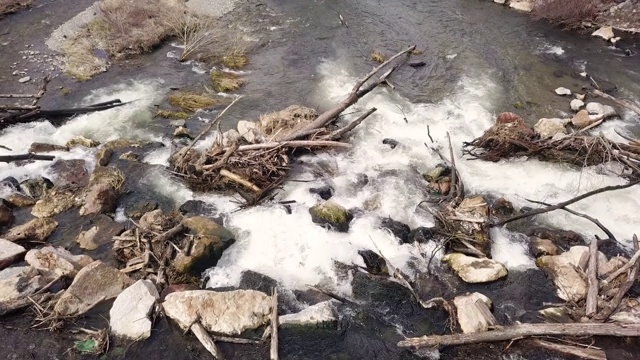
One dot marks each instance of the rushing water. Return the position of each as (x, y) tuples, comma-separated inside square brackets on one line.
[(481, 60)]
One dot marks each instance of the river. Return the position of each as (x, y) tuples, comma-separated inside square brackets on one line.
[(481, 59)]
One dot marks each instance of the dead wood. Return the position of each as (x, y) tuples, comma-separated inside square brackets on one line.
[(592, 276), (21, 157), (586, 353), (274, 325), (201, 333), (523, 331), (629, 105), (341, 132), (294, 144)]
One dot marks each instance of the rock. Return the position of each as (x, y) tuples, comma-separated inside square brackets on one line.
[(374, 263), (153, 220), (104, 155), (331, 215), (556, 314), (399, 230), (37, 147), (373, 203), (473, 312), (422, 234), (20, 200), (196, 207), (522, 5), (501, 2), (609, 112), (25, 79), (319, 313), (229, 137), (391, 142), (6, 215), (17, 283), (475, 270), (227, 313), (571, 285), (601, 110), (562, 91), (581, 119), (129, 315), (53, 262), (182, 131), (137, 210), (248, 130), (502, 207), (510, 118), (93, 284), (101, 198), (576, 104), (540, 247), (129, 156), (82, 141), (580, 97), (119, 144), (548, 128), (438, 172), (99, 231), (605, 32), (177, 288), (178, 122), (70, 172), (210, 241), (37, 230), (9, 253), (56, 201), (9, 184), (325, 192), (36, 187)]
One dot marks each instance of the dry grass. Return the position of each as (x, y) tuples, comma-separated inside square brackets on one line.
[(377, 56), (11, 6), (235, 57), (225, 81), (81, 63), (195, 31), (569, 13), (168, 114), (189, 101)]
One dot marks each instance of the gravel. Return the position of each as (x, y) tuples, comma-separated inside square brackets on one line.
[(71, 28), (213, 8)]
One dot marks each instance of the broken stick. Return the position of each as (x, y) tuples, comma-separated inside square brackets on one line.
[(201, 333), (592, 275), (274, 325), (12, 158)]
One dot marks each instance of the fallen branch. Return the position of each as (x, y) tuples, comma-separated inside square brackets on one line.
[(592, 276), (629, 105), (206, 341), (236, 178), (30, 156), (579, 352), (565, 203), (523, 331), (341, 132), (632, 262), (274, 325), (294, 144)]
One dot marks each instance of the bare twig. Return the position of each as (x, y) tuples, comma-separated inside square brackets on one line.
[(294, 144), (341, 132)]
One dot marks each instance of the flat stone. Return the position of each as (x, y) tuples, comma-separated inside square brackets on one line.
[(56, 261), (129, 315), (93, 284), (582, 119), (548, 128), (563, 91), (25, 79), (228, 313), (70, 172), (99, 231), (475, 270), (248, 130), (605, 32), (37, 230), (473, 312), (576, 104), (17, 283), (319, 313), (10, 253)]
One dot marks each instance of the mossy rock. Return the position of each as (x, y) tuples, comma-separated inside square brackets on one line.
[(331, 215)]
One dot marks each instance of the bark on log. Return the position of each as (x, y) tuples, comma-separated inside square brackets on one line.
[(522, 331), (592, 275)]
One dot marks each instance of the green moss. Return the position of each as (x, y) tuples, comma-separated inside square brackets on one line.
[(331, 212)]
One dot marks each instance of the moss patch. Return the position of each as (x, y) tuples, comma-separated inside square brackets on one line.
[(332, 214), (235, 57), (377, 56), (189, 101), (225, 81), (168, 114)]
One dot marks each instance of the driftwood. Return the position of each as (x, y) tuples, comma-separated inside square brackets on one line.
[(523, 331), (629, 105), (21, 157), (592, 276), (274, 325), (585, 353), (201, 333)]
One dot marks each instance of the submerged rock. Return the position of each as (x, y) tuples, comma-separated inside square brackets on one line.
[(129, 315), (70, 172), (374, 263), (475, 270), (137, 210), (99, 231), (93, 284), (605, 32), (82, 141), (332, 215), (6, 215), (319, 313), (473, 312), (10, 253), (53, 262), (548, 128), (422, 234), (325, 192), (399, 230), (210, 241), (228, 313), (37, 230), (17, 283), (36, 187), (196, 208)]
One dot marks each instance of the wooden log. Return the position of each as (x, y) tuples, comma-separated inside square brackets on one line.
[(201, 333), (12, 158), (629, 105), (592, 276), (294, 144), (238, 179), (585, 353), (274, 325), (522, 331)]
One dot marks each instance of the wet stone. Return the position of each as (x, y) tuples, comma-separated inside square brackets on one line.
[(35, 230), (70, 172), (140, 208), (10, 183), (400, 230), (331, 215), (374, 263), (196, 207), (36, 187), (391, 142), (9, 253), (422, 234), (37, 147), (6, 215), (325, 192)]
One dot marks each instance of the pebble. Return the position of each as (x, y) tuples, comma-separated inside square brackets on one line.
[(23, 80), (563, 91), (576, 104)]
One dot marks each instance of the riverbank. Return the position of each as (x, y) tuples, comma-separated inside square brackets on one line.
[(118, 197)]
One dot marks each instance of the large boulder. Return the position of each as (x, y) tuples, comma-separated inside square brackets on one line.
[(129, 315), (55, 261), (70, 172), (6, 215), (548, 128), (210, 241), (37, 230), (56, 201), (475, 270), (331, 215), (93, 284), (101, 198), (9, 253), (474, 312), (17, 283), (228, 313)]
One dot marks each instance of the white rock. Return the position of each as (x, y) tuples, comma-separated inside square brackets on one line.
[(129, 315), (473, 312), (315, 314), (548, 128), (609, 112), (583, 74), (563, 91), (9, 253), (53, 262), (228, 313), (17, 283), (248, 130), (595, 108), (605, 32), (475, 270), (576, 104), (615, 40), (24, 79), (229, 137), (501, 2), (522, 5), (580, 96)]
